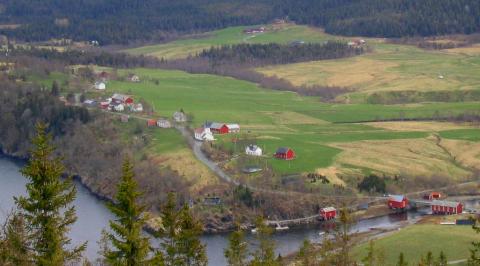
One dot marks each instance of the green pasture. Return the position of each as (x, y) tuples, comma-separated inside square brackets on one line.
[(233, 35), (272, 118), (462, 134), (416, 240)]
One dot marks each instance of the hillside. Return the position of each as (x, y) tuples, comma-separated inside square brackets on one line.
[(124, 21)]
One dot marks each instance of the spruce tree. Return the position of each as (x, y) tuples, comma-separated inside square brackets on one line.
[(474, 259), (442, 259), (169, 231), (130, 246), (47, 208), (236, 252), (14, 248), (369, 259), (306, 254), (190, 250), (401, 260)]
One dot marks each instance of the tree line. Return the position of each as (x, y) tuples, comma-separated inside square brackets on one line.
[(124, 21), (273, 53)]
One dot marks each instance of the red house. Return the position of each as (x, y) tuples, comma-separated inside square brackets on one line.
[(122, 99), (446, 207), (328, 213), (151, 122), (432, 196), (397, 202), (285, 154)]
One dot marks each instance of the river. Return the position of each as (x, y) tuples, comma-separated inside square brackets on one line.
[(93, 216)]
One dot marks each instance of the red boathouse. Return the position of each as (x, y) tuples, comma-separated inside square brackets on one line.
[(285, 154), (397, 202), (328, 213), (446, 207)]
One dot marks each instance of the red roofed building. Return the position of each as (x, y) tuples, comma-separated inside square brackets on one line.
[(446, 207), (397, 202), (328, 213)]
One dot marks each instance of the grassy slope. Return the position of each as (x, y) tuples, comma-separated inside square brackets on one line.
[(275, 118), (415, 241), (389, 68), (233, 35)]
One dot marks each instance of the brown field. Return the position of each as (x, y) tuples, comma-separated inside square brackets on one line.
[(423, 126), (469, 50), (294, 118), (332, 174), (414, 157), (465, 152)]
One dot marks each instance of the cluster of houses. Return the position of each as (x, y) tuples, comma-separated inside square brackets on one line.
[(254, 30), (357, 43), (120, 103), (102, 78), (400, 202), (205, 133)]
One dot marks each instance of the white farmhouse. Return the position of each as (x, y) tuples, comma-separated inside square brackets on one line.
[(204, 134), (119, 107), (100, 86), (253, 150), (233, 128)]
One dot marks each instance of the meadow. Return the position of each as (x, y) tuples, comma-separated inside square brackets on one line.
[(321, 134), (416, 240), (389, 69), (284, 33)]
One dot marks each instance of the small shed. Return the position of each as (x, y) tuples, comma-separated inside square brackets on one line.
[(328, 213), (217, 128), (433, 196), (284, 153), (396, 202), (164, 123), (446, 207), (233, 128), (137, 107), (151, 122), (180, 117), (133, 78), (100, 86), (253, 150)]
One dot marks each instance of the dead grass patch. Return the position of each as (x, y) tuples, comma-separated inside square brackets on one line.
[(466, 153), (332, 174), (469, 50), (294, 118), (418, 126)]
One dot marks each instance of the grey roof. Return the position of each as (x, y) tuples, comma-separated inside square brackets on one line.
[(283, 150), (452, 204)]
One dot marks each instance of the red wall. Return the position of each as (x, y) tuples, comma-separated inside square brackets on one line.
[(397, 205), (328, 215)]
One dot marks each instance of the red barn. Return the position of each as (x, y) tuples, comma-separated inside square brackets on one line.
[(397, 202), (151, 122), (328, 213), (446, 207), (122, 99), (285, 154), (218, 128)]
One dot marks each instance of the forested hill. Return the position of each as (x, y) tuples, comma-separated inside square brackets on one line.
[(121, 21)]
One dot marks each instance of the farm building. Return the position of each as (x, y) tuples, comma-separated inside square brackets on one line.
[(122, 98), (104, 105), (151, 122), (90, 103), (180, 117), (100, 86), (133, 78), (164, 123), (284, 153), (254, 30), (328, 213), (253, 150), (432, 196), (446, 207), (397, 202), (118, 107), (203, 134), (233, 128), (217, 128), (136, 107), (124, 118)]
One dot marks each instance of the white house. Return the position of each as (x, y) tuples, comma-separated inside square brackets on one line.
[(164, 123), (100, 86), (134, 78), (253, 150), (137, 107), (180, 117), (119, 107), (203, 134), (233, 128)]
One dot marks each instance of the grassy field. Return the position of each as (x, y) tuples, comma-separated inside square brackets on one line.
[(279, 34), (416, 240), (322, 135), (388, 68)]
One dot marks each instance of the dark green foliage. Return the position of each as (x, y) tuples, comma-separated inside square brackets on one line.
[(236, 252), (122, 21), (244, 195), (14, 248), (306, 255), (401, 260), (47, 208), (130, 246), (372, 183), (474, 259), (264, 255), (273, 53)]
